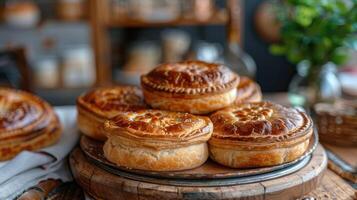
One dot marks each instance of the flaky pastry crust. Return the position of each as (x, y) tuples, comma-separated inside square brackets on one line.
[(248, 91), (259, 134), (157, 140), (191, 86), (26, 123), (104, 103)]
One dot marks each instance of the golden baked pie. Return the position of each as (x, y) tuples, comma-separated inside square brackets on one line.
[(258, 134), (26, 123), (248, 91), (157, 140), (191, 86), (104, 103)]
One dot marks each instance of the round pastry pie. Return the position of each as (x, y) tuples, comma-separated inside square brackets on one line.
[(26, 123), (191, 86), (248, 91), (259, 134), (156, 140), (100, 104)]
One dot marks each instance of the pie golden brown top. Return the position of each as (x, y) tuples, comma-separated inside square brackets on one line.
[(162, 126), (248, 91), (107, 101), (190, 78), (261, 122), (22, 113)]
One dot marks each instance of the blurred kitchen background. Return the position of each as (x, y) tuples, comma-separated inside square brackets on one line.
[(60, 48)]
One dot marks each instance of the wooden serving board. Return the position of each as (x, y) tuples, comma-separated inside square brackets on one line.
[(210, 170), (101, 184), (343, 161)]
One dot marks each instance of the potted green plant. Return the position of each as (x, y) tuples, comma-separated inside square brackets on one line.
[(315, 35)]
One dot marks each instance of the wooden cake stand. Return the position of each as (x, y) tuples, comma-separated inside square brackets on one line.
[(103, 181)]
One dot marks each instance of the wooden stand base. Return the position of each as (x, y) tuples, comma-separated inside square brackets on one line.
[(101, 184)]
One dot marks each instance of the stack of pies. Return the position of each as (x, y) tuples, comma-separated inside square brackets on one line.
[(337, 123), (26, 123), (166, 132)]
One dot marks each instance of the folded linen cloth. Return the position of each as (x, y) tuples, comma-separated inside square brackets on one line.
[(28, 168)]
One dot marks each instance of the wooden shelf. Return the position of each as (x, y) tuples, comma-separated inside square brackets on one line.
[(220, 18), (102, 19)]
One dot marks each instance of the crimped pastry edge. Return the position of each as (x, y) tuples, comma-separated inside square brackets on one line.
[(90, 124), (188, 92), (267, 145), (81, 103), (205, 89), (129, 137), (254, 96), (300, 132)]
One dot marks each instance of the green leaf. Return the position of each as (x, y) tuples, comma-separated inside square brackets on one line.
[(326, 42), (277, 49), (304, 15), (339, 56), (342, 7), (315, 30), (294, 55)]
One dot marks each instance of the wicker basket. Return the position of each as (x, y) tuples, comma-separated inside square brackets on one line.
[(337, 123)]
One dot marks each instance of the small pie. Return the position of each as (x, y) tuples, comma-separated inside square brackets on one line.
[(156, 140), (259, 134), (26, 123), (104, 103), (192, 86), (248, 91)]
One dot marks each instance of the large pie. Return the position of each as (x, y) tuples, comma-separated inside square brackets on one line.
[(259, 134), (104, 103), (26, 123), (192, 86), (157, 140)]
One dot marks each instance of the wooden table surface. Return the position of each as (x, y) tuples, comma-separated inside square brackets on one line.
[(333, 187)]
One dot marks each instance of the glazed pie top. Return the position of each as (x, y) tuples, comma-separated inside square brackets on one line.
[(262, 122), (190, 78), (164, 127), (22, 113), (247, 90), (106, 102)]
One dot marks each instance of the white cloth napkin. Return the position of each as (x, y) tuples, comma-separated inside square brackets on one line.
[(28, 168)]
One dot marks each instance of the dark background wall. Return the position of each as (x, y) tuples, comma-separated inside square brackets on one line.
[(274, 73)]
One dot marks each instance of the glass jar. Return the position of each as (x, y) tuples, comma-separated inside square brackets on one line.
[(78, 67), (155, 10), (46, 72), (21, 13), (70, 10), (312, 86)]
